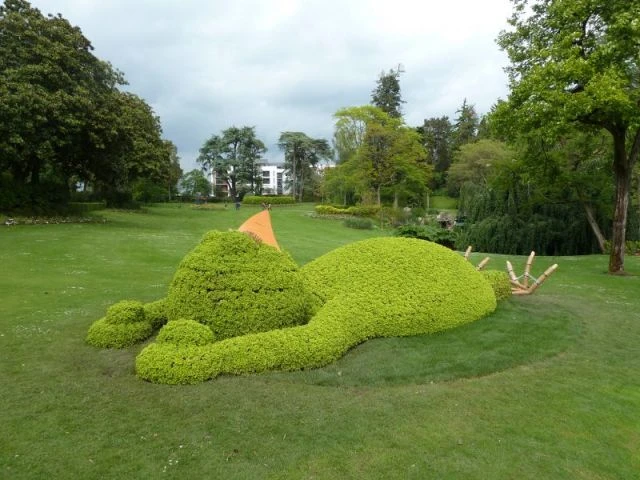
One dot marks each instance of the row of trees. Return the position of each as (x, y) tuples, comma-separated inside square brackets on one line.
[(235, 157), (64, 119)]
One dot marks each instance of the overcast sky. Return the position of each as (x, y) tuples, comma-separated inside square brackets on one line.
[(288, 65)]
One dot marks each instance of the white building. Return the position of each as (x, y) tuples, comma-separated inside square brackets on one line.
[(274, 181)]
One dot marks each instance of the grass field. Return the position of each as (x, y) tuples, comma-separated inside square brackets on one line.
[(546, 387)]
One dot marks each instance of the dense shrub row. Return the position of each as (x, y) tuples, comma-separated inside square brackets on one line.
[(631, 247), (235, 286), (273, 200), (374, 288), (441, 236), (358, 211), (359, 223), (80, 208)]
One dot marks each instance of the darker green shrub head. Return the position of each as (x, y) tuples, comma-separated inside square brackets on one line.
[(235, 286), (126, 311), (500, 283), (103, 334), (185, 332)]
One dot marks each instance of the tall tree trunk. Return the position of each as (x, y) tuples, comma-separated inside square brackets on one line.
[(378, 195), (395, 200), (622, 168), (591, 218)]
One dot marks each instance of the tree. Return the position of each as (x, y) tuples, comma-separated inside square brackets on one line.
[(386, 96), (465, 128), (475, 163), (388, 155), (48, 77), (578, 62), (234, 156), (62, 117), (174, 171), (301, 155), (437, 138), (195, 183)]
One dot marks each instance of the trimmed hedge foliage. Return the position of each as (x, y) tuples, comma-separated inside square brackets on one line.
[(185, 332), (357, 211), (375, 288), (156, 313), (273, 200), (235, 286), (359, 223), (500, 283), (124, 325)]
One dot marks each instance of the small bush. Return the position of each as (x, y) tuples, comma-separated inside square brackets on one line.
[(126, 311), (273, 200), (364, 210), (103, 334), (185, 332), (80, 208), (499, 282), (631, 247), (357, 211), (125, 324), (359, 223)]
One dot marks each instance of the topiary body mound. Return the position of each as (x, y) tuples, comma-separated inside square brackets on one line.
[(236, 286), (374, 288)]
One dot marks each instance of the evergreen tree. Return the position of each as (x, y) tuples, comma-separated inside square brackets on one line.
[(386, 96), (466, 125)]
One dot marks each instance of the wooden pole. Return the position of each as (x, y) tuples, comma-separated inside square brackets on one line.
[(527, 270)]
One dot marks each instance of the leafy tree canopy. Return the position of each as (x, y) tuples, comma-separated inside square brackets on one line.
[(578, 62), (235, 157)]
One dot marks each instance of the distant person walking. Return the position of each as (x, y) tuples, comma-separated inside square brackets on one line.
[(237, 203)]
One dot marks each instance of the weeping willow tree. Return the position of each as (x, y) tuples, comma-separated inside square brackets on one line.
[(551, 196), (515, 221)]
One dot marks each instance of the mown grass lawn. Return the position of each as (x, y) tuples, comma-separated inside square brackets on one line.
[(547, 387)]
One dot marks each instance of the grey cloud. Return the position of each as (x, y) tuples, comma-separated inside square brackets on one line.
[(290, 64)]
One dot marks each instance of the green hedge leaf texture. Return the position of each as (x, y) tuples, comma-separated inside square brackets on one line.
[(185, 332), (103, 334), (273, 200), (127, 322), (375, 288), (236, 286), (500, 283)]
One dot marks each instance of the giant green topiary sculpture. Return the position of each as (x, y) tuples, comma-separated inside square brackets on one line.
[(237, 305), (374, 288)]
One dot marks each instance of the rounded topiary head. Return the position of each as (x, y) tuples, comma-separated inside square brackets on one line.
[(235, 286)]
